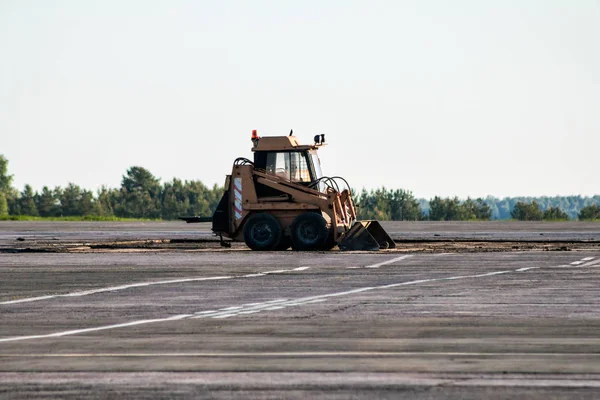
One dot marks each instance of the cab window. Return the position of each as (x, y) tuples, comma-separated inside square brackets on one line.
[(289, 165)]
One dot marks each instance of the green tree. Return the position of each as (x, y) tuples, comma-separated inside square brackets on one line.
[(591, 212), (3, 205), (484, 211), (404, 206), (27, 202), (527, 211), (86, 203), (12, 198), (139, 195), (5, 179), (469, 210), (70, 200), (202, 200), (555, 214), (48, 203), (448, 209), (175, 199), (105, 202)]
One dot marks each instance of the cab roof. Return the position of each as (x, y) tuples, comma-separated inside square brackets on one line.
[(280, 143)]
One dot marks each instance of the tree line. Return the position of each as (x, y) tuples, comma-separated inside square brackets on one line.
[(142, 195), (401, 205)]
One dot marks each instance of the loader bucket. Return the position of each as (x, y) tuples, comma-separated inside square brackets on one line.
[(366, 235)]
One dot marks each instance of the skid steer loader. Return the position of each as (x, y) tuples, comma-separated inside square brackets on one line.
[(282, 200)]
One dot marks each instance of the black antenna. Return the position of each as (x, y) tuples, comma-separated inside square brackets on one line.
[(291, 132)]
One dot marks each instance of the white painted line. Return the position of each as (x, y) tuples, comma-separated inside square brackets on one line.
[(589, 264), (525, 269), (383, 263), (580, 264), (276, 304), (388, 262), (145, 284), (268, 305), (116, 288), (99, 328), (588, 258), (275, 301)]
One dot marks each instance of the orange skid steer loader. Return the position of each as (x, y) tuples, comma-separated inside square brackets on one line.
[(282, 199)]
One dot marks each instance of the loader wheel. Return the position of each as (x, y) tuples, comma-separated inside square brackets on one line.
[(262, 231), (309, 232)]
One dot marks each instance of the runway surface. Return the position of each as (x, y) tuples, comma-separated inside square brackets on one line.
[(399, 230), (186, 324)]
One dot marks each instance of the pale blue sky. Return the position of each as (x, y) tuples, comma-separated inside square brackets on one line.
[(464, 98)]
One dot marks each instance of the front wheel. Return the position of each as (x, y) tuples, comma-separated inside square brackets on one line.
[(262, 231), (309, 232)]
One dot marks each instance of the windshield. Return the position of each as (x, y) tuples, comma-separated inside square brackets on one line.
[(316, 164), (291, 165)]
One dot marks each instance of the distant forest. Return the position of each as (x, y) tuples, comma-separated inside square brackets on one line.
[(142, 195)]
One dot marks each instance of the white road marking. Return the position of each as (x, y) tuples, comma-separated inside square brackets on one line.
[(145, 284), (98, 328), (276, 304), (580, 264), (590, 263), (384, 262), (265, 306), (116, 288), (525, 269), (588, 258)]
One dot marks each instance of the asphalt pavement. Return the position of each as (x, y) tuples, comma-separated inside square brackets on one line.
[(242, 324)]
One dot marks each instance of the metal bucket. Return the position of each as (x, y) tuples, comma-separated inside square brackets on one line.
[(366, 235)]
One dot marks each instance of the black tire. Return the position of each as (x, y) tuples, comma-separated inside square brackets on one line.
[(309, 232), (262, 231)]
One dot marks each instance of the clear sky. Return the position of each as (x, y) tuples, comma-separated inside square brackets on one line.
[(460, 97)]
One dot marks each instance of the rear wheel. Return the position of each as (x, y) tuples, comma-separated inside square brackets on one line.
[(262, 231), (309, 232)]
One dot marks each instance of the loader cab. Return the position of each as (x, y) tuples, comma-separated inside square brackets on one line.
[(296, 166), (285, 157)]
